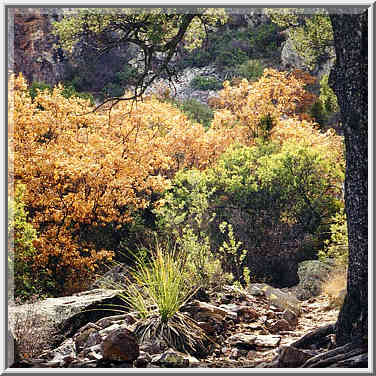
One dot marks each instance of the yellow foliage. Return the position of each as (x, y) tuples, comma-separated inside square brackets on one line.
[(276, 94)]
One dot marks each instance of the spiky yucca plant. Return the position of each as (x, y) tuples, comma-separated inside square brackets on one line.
[(159, 288)]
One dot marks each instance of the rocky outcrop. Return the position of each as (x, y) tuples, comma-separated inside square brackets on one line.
[(69, 313), (276, 297), (34, 53), (312, 274)]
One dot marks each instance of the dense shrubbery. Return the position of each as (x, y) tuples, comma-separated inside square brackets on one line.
[(276, 197), (196, 111), (337, 248), (22, 252), (326, 104), (68, 91), (205, 83), (94, 179), (88, 176), (251, 70)]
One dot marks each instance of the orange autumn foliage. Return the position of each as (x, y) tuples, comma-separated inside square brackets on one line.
[(94, 168), (275, 94), (85, 168)]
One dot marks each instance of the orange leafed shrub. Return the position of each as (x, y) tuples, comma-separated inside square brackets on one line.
[(275, 94), (94, 168)]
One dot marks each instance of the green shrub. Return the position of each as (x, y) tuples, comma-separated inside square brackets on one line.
[(21, 235), (327, 96), (232, 252), (318, 113), (186, 216), (275, 198), (337, 247), (68, 91), (263, 40), (228, 58), (112, 90), (128, 76), (160, 285), (252, 70), (38, 86), (196, 111), (327, 103), (205, 83)]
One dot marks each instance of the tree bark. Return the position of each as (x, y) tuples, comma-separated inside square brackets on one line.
[(349, 80)]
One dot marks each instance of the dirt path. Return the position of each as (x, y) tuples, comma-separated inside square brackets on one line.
[(315, 314)]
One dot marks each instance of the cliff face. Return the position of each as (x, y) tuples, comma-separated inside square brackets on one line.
[(33, 52)]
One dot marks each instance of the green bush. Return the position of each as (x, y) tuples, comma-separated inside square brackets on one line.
[(337, 247), (264, 40), (128, 76), (268, 199), (186, 216), (196, 111), (206, 83), (38, 86), (327, 103), (21, 235), (252, 70), (327, 96), (275, 198), (68, 91), (112, 90), (227, 58)]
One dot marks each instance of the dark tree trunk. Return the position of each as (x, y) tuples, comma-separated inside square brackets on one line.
[(349, 79)]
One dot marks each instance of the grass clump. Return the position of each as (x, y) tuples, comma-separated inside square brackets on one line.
[(157, 289)]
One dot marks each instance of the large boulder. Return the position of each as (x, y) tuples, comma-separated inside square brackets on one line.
[(276, 297), (120, 346), (13, 351), (69, 313), (312, 274)]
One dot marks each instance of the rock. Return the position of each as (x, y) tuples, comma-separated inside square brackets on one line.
[(173, 358), (247, 314), (207, 327), (156, 346), (109, 329), (34, 53), (13, 351), (235, 353), (70, 313), (336, 301), (63, 355), (143, 360), (312, 274), (81, 337), (256, 289), (290, 317), (93, 352), (290, 58), (250, 341), (120, 345), (278, 326), (202, 311), (291, 357), (281, 299), (107, 321)]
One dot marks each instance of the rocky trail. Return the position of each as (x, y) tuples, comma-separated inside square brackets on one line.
[(248, 328)]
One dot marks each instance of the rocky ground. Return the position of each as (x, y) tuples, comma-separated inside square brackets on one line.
[(247, 328)]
